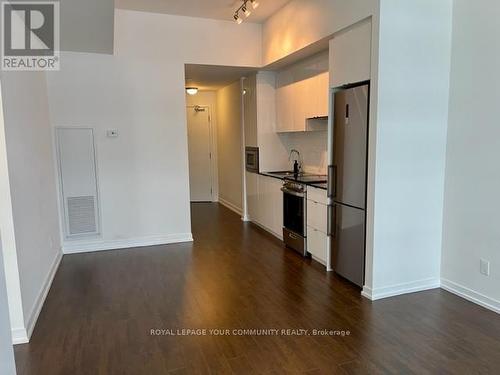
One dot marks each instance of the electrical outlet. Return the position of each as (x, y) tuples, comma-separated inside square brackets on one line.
[(484, 267)]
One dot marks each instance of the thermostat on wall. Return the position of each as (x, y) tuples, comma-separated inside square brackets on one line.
[(111, 133)]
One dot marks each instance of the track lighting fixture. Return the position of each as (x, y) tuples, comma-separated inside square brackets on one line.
[(237, 18), (245, 10)]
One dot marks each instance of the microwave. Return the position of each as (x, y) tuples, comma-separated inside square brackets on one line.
[(252, 159)]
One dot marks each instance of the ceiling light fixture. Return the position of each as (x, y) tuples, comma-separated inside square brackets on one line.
[(245, 10), (254, 3), (192, 90)]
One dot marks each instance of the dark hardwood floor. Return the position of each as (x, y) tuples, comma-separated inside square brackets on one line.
[(102, 307)]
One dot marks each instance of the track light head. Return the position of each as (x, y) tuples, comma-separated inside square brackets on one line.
[(245, 10), (237, 18)]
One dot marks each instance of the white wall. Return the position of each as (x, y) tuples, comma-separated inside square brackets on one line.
[(186, 40), (413, 83), (7, 364), (312, 147), (8, 237), (143, 173), (34, 197), (471, 206), (229, 141), (301, 23)]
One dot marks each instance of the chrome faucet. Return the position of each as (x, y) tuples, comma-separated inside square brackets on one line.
[(296, 164)]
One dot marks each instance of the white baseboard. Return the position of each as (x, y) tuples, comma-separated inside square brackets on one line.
[(471, 295), (231, 206), (80, 246), (19, 336), (398, 289), (23, 335)]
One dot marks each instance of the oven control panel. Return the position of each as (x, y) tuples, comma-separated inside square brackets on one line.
[(294, 186)]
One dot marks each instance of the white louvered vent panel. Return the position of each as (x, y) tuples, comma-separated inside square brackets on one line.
[(78, 179), (82, 215)]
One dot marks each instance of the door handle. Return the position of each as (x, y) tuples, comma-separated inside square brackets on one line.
[(332, 181), (329, 182), (329, 221), (333, 225)]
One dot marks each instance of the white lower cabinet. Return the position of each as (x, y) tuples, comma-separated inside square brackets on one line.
[(252, 181), (317, 244), (265, 202), (316, 215), (317, 212)]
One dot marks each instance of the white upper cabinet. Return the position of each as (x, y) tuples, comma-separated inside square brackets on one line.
[(302, 93), (299, 101), (350, 55), (284, 112), (322, 86)]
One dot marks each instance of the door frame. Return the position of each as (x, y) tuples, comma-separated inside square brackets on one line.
[(212, 129)]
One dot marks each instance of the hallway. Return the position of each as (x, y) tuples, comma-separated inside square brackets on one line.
[(99, 315)]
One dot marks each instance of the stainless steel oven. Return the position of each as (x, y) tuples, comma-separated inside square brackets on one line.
[(252, 159), (294, 216)]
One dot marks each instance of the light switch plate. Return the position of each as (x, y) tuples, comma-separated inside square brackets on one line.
[(484, 266)]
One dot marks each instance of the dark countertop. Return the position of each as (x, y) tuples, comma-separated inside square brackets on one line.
[(320, 185), (278, 175), (284, 174)]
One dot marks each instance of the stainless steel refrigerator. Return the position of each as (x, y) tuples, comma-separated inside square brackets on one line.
[(347, 180)]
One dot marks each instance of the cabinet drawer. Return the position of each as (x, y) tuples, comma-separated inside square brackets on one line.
[(317, 215), (317, 244), (317, 195)]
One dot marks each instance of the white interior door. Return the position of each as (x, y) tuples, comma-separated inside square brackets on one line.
[(199, 140)]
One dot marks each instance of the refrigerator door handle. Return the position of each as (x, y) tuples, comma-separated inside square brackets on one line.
[(331, 221), (332, 181)]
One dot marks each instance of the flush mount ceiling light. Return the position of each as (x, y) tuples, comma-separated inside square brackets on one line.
[(192, 90), (245, 10)]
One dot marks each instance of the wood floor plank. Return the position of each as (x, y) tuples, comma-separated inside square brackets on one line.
[(102, 307)]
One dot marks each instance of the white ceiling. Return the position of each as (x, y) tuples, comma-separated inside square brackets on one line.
[(217, 9), (214, 77)]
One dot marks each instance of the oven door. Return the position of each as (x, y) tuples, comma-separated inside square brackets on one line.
[(294, 211)]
